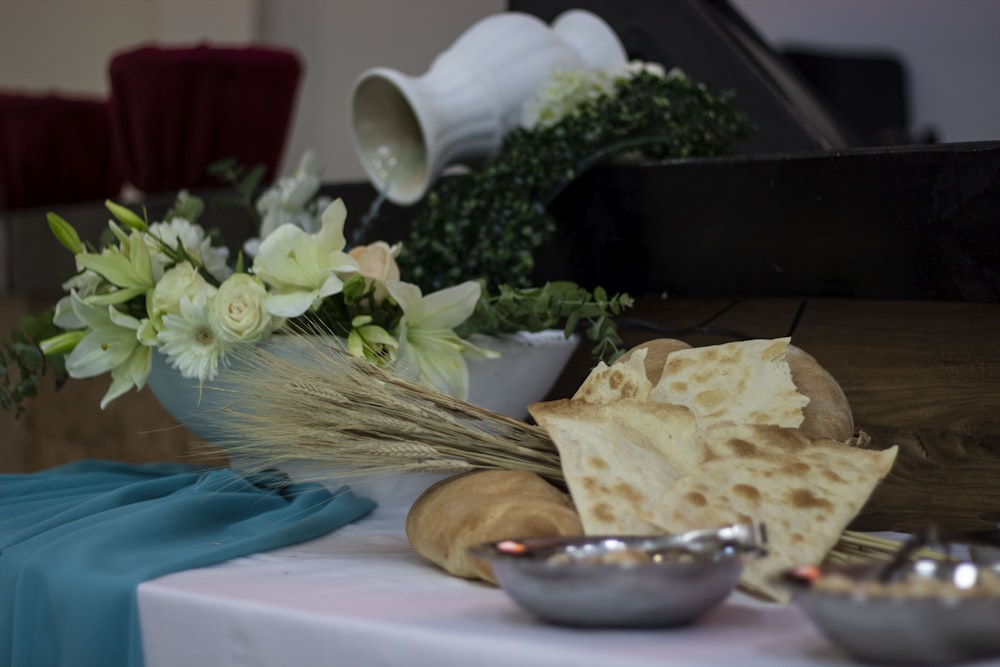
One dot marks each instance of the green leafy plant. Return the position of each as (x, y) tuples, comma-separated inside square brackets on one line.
[(559, 304), (487, 224), (22, 363)]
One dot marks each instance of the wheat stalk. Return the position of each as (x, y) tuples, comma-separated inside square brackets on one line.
[(324, 408), (322, 405), (854, 548)]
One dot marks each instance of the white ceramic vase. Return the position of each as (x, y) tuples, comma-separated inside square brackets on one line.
[(407, 130)]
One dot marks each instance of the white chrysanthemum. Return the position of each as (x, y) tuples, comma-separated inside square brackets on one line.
[(196, 243), (188, 340)]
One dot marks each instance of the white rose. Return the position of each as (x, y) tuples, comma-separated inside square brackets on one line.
[(178, 281), (237, 312)]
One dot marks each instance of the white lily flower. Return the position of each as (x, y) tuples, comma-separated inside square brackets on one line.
[(64, 317), (85, 283), (301, 268), (115, 343), (128, 267), (135, 370), (429, 348)]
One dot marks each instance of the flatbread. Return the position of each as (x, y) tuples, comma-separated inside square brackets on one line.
[(745, 382), (626, 378), (657, 351), (720, 437), (484, 506), (618, 457), (806, 491)]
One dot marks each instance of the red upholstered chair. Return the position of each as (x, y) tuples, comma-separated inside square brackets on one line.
[(177, 110), (54, 149)]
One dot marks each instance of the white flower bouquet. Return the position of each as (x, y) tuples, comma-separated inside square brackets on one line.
[(168, 287)]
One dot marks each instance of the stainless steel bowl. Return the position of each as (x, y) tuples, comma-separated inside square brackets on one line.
[(623, 581), (925, 612)]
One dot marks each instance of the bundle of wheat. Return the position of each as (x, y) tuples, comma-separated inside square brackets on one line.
[(320, 405)]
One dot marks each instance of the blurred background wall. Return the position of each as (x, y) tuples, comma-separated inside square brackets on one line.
[(948, 47)]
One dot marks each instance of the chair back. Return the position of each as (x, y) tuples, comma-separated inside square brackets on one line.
[(54, 149), (178, 110)]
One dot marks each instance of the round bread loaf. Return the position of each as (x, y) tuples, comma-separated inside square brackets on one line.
[(828, 413), (484, 506)]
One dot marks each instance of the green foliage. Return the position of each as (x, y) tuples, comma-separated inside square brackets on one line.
[(557, 304), (487, 224), (187, 206), (245, 182), (22, 364)]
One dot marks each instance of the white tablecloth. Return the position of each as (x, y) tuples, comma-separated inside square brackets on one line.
[(361, 597)]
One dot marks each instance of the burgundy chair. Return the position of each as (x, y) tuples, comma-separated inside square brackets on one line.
[(55, 149), (175, 111)]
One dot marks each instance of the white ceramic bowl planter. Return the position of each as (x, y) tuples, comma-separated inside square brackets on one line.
[(529, 365)]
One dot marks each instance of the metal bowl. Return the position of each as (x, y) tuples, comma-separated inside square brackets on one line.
[(622, 581), (925, 612)]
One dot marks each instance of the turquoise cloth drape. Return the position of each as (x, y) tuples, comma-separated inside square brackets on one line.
[(76, 541)]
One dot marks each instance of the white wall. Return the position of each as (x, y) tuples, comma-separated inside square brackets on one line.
[(950, 48), (65, 45)]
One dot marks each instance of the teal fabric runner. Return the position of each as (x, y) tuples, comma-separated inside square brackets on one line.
[(76, 541)]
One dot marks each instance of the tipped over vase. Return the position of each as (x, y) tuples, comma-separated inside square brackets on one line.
[(406, 130)]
